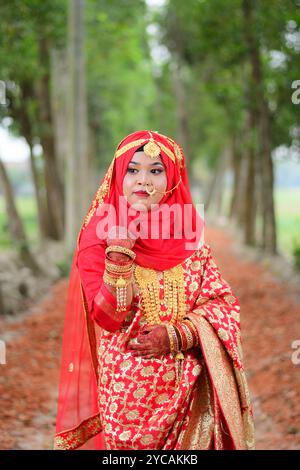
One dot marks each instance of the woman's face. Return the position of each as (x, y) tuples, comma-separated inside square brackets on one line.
[(143, 170)]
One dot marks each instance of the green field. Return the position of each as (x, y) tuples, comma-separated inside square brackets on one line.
[(28, 211), (287, 204)]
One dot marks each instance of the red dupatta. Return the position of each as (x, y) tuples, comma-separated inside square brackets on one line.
[(78, 423)]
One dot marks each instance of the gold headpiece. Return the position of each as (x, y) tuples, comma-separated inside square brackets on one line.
[(151, 149)]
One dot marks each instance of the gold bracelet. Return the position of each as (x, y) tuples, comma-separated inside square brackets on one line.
[(121, 284), (117, 269), (188, 335), (194, 330), (171, 338), (174, 346), (120, 249), (179, 356), (119, 281)]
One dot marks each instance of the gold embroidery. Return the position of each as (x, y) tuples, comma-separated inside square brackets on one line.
[(198, 434), (131, 415), (140, 393), (125, 148), (195, 266), (223, 334), (125, 435), (147, 371), (76, 437), (163, 398), (147, 439), (223, 377)]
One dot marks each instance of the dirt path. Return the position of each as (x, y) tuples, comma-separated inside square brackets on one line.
[(28, 382), (270, 323)]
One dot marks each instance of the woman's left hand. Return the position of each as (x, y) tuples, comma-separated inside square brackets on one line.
[(152, 341)]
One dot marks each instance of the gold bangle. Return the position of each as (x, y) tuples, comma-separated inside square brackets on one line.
[(188, 335), (182, 336), (120, 249), (117, 269), (194, 330), (171, 338)]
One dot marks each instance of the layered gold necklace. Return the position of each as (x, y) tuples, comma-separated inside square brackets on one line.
[(174, 293)]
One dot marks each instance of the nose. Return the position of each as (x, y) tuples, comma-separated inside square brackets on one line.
[(143, 179)]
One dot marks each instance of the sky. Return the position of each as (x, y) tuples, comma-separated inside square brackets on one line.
[(12, 149)]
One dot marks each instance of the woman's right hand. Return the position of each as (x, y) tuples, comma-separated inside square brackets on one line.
[(120, 236)]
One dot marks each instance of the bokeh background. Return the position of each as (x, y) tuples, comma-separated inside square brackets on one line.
[(222, 77)]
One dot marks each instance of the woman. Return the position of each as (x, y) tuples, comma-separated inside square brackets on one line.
[(152, 354)]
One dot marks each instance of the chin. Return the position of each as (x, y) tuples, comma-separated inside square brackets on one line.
[(139, 206)]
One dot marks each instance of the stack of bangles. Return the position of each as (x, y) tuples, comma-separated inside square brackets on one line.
[(119, 274), (182, 336)]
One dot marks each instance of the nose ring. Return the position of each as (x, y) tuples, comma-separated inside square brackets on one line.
[(150, 191)]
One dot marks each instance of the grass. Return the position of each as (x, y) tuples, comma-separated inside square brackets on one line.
[(287, 206), (28, 212)]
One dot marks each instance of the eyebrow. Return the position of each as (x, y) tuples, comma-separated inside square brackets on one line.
[(154, 163)]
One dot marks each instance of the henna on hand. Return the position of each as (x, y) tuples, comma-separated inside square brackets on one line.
[(153, 341)]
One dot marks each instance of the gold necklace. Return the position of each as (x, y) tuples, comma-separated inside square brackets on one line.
[(174, 293)]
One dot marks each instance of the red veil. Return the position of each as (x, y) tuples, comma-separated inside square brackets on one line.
[(78, 423)]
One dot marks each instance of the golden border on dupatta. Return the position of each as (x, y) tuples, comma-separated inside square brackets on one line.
[(199, 433), (222, 375), (129, 146), (73, 438)]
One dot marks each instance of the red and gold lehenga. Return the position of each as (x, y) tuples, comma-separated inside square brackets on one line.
[(109, 399)]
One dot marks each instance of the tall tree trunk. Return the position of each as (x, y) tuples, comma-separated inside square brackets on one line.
[(40, 199), (220, 186), (53, 178), (20, 112), (15, 223), (236, 157), (250, 206), (59, 92), (214, 192), (269, 221), (182, 115), (77, 175), (262, 124)]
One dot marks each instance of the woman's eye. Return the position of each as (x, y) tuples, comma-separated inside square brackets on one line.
[(155, 171)]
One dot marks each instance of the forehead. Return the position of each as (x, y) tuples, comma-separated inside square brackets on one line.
[(142, 159)]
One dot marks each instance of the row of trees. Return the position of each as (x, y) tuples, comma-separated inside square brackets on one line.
[(238, 60), (216, 75)]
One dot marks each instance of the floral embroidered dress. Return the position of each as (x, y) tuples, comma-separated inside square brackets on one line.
[(111, 399), (141, 406)]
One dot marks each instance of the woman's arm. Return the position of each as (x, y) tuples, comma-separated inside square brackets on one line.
[(101, 297)]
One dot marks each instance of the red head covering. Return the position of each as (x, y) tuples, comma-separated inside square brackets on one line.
[(78, 422), (150, 252)]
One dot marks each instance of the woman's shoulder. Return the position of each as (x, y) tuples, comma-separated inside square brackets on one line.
[(202, 252)]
